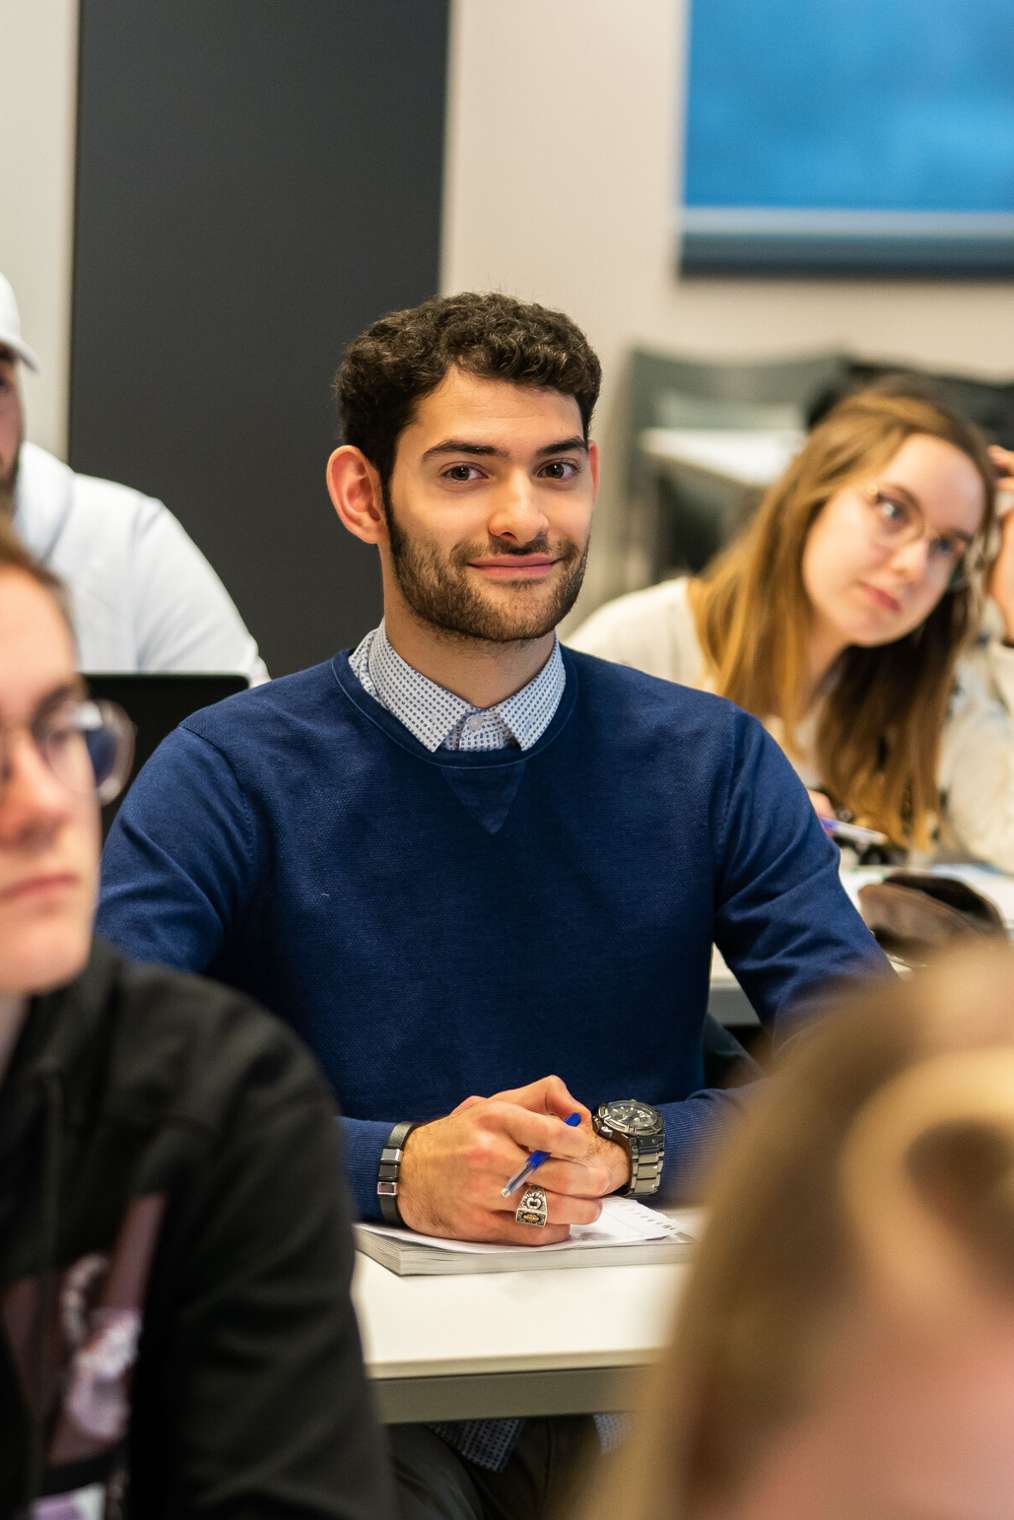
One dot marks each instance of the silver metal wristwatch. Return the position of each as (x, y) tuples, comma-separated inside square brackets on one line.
[(640, 1129)]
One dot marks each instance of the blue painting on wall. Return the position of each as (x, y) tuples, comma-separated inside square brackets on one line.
[(871, 134)]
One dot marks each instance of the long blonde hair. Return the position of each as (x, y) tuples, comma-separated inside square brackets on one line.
[(880, 1160), (879, 729)]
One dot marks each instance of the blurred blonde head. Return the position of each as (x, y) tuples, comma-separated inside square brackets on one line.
[(858, 1269)]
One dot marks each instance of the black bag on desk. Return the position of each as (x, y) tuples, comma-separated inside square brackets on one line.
[(912, 914)]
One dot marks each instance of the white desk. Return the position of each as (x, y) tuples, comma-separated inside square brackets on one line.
[(511, 1343), (734, 456)]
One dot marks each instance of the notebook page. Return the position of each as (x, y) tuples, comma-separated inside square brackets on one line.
[(623, 1222)]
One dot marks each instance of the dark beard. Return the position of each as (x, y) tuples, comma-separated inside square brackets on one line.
[(438, 590)]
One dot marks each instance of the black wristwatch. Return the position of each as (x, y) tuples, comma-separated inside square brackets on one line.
[(640, 1130)]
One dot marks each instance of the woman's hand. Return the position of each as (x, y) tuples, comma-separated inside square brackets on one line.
[(1003, 460), (1001, 575), (822, 804)]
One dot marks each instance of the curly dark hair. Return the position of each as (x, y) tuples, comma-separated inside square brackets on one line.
[(405, 355)]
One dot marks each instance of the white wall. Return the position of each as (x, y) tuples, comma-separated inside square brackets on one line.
[(559, 188), (38, 43)]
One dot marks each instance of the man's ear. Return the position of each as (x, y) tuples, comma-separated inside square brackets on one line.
[(354, 487)]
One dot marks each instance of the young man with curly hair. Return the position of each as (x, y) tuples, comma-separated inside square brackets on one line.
[(483, 875)]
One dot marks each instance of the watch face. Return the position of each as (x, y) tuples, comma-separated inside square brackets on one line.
[(630, 1117)]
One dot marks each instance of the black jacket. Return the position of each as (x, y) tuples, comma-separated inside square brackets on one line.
[(169, 1170)]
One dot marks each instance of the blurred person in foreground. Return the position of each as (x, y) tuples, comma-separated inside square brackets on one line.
[(845, 1348), (176, 1333), (142, 596), (840, 614)]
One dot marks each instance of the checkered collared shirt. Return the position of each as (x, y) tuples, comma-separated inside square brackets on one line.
[(441, 720)]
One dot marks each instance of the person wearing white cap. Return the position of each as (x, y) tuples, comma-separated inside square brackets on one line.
[(143, 597)]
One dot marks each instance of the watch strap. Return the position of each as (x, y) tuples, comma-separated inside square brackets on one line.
[(389, 1170), (646, 1157)]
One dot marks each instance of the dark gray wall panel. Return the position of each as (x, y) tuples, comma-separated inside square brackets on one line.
[(257, 180)]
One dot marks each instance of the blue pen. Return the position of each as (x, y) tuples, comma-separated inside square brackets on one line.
[(534, 1160)]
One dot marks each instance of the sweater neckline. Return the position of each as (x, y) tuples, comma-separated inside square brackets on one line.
[(349, 684)]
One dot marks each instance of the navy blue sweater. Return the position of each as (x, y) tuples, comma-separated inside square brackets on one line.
[(437, 925)]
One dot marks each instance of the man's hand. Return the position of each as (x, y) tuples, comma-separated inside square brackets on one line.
[(454, 1168)]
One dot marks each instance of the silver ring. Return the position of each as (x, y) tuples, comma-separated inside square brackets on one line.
[(533, 1208)]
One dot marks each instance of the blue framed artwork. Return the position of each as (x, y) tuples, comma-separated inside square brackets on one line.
[(849, 136)]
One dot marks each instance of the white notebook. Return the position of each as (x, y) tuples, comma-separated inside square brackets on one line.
[(626, 1232)]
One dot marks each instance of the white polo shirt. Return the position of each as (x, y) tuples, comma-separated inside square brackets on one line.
[(143, 597)]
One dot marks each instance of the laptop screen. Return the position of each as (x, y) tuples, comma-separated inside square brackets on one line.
[(156, 704)]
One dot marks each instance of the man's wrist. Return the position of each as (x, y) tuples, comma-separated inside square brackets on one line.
[(619, 1165)]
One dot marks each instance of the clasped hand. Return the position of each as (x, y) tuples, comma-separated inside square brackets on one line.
[(454, 1168)]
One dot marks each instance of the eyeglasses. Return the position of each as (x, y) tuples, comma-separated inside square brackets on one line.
[(88, 746), (896, 521)]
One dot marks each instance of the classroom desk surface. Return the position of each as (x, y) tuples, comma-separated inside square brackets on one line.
[(472, 1346), (737, 456)]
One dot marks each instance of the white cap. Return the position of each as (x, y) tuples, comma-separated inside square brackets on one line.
[(10, 326)]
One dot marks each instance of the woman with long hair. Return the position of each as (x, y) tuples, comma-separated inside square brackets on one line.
[(844, 615), (845, 1345)]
